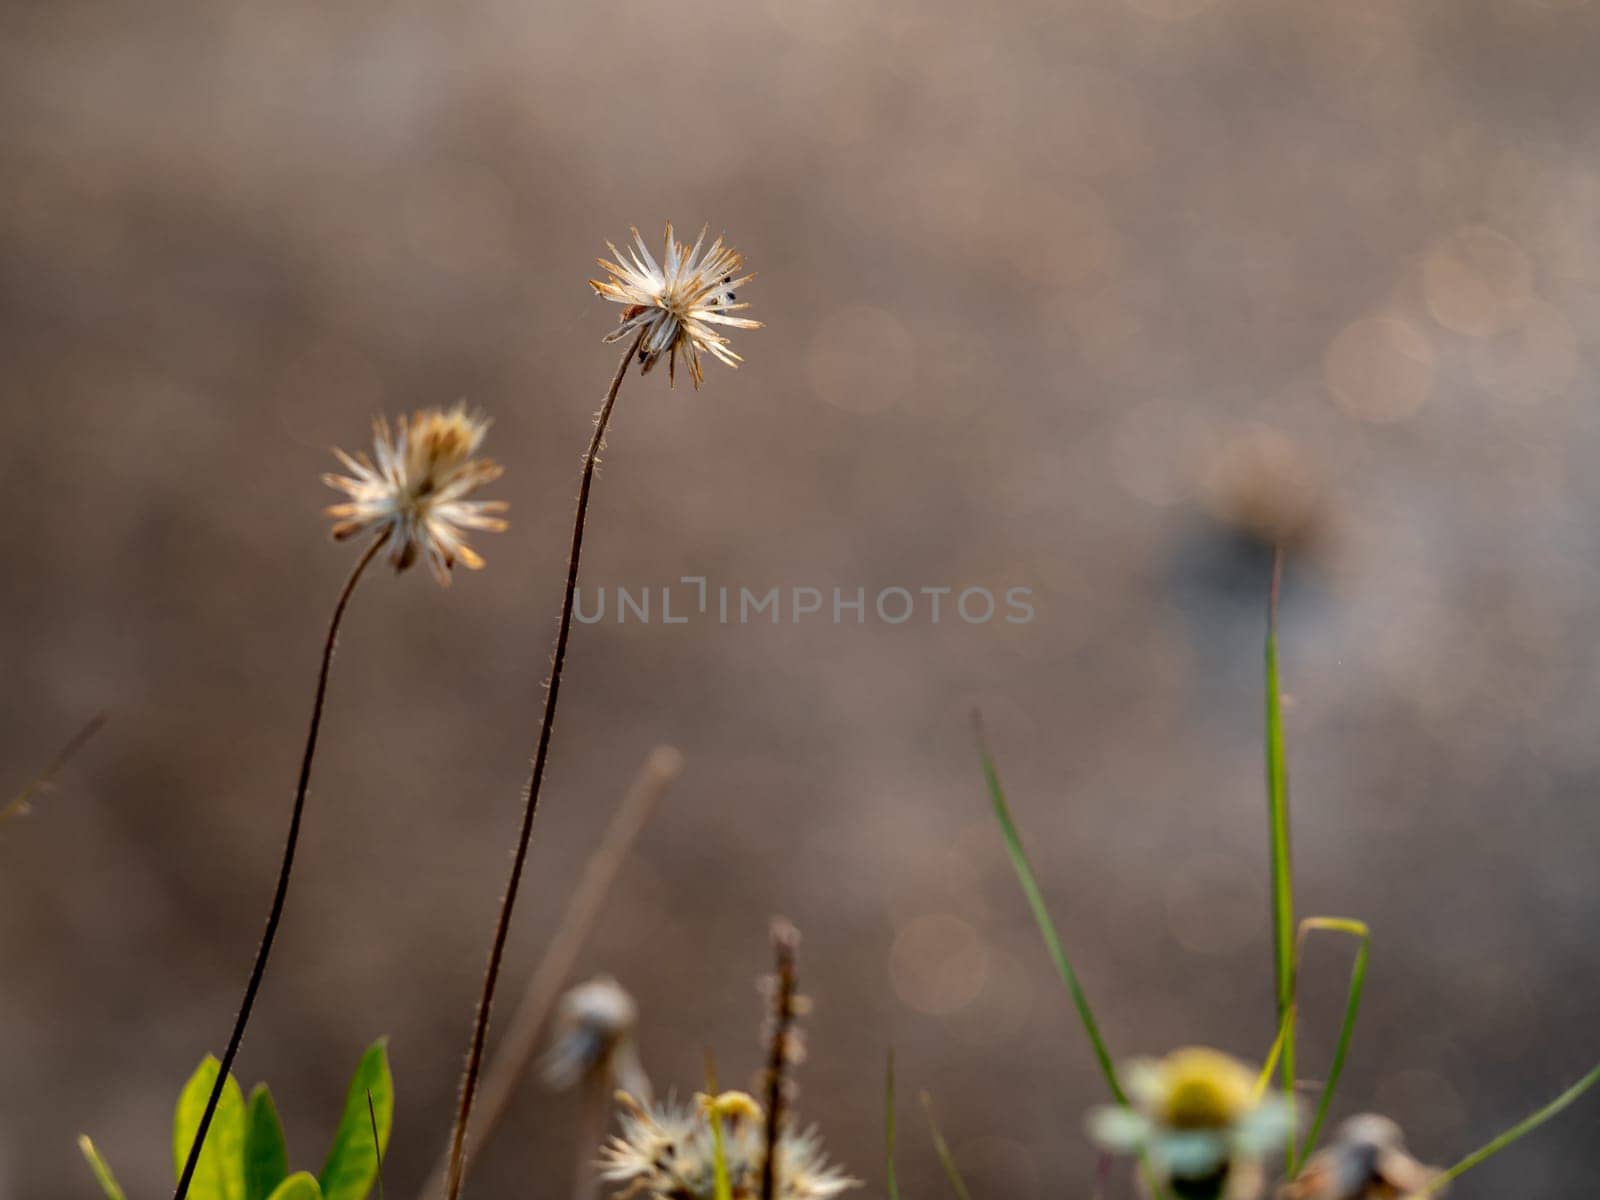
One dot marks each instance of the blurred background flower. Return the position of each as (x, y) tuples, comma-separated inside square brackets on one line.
[(1366, 1160), (594, 1034), (1195, 1115)]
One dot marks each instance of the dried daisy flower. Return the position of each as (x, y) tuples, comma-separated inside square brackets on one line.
[(414, 502), (1197, 1117), (671, 307), (415, 495), (1367, 1160), (667, 1152)]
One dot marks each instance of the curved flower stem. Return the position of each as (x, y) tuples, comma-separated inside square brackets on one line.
[(491, 975), (282, 893)]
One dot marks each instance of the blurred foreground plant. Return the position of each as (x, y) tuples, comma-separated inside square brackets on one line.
[(1368, 1161), (245, 1158), (726, 1145), (21, 804), (1201, 1120), (666, 1151)]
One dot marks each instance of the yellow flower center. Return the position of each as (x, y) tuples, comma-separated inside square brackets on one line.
[(730, 1106), (1204, 1089)]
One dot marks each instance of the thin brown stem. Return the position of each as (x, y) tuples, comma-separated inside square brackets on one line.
[(530, 803), (516, 1051), (781, 1045), (282, 892)]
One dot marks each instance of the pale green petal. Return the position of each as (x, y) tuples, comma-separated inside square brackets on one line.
[(1264, 1129), (1145, 1082), (1190, 1153), (1118, 1129)]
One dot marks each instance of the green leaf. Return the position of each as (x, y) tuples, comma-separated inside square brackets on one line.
[(1526, 1125), (219, 1175), (721, 1185), (1278, 829), (352, 1164), (102, 1173), (302, 1185), (266, 1157)]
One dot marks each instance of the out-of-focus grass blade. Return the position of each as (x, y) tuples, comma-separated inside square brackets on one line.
[(942, 1148), (1267, 1068), (721, 1184), (893, 1184), (1525, 1126), (1041, 915), (18, 804), (1352, 1008), (102, 1172), (1052, 940), (1278, 828)]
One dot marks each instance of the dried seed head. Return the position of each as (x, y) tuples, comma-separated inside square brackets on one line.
[(1366, 1160), (415, 494), (666, 1151), (677, 302), (594, 1036)]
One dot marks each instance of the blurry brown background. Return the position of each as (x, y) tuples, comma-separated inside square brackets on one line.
[(1053, 293)]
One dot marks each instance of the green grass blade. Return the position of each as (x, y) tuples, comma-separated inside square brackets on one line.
[(1041, 915), (1271, 1064), (1278, 827), (893, 1183), (942, 1148), (102, 1172), (1352, 1008), (1525, 1126), (1052, 940), (721, 1184)]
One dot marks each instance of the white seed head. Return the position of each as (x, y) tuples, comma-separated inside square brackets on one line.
[(413, 491), (666, 1151), (676, 303)]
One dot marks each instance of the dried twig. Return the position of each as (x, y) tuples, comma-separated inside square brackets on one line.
[(783, 1045), (18, 805)]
